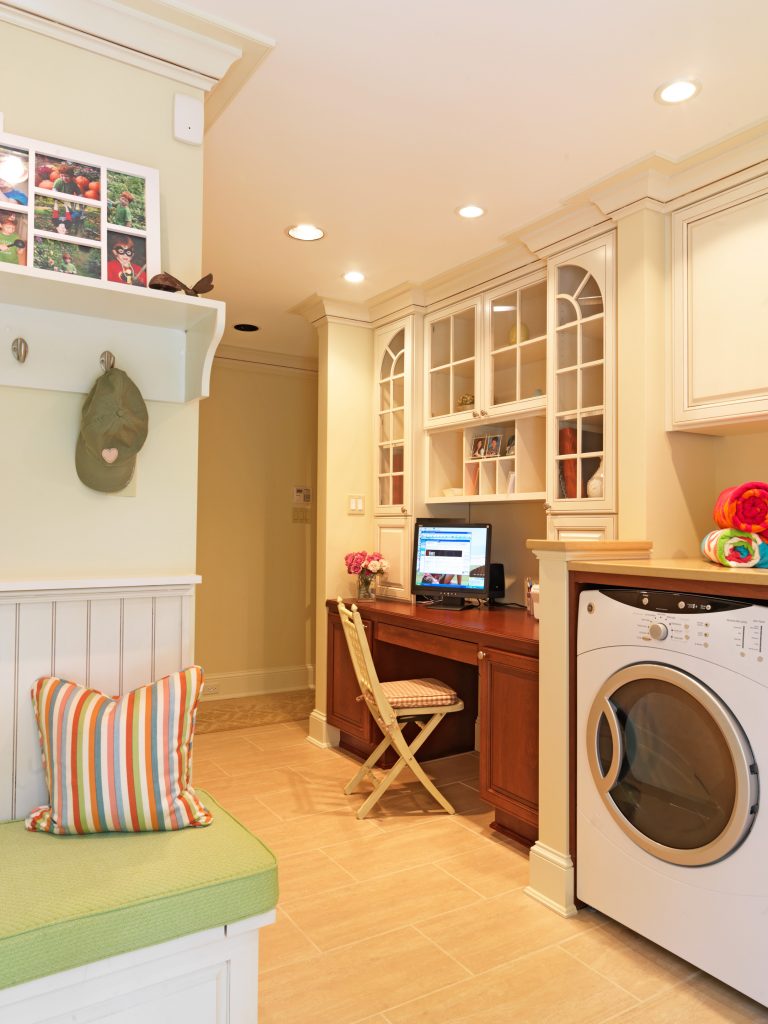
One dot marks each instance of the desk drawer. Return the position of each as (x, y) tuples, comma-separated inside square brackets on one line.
[(429, 643)]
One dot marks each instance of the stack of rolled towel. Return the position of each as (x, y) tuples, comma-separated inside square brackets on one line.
[(741, 541)]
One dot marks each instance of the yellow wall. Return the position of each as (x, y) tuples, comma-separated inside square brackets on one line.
[(52, 524), (345, 443), (255, 624), (666, 480)]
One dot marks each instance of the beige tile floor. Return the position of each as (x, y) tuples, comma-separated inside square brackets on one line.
[(417, 917)]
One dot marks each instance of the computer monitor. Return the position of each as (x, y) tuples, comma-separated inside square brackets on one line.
[(451, 561)]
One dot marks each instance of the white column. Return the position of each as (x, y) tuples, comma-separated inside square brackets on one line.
[(551, 877)]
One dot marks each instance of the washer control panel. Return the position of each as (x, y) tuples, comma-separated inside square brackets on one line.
[(731, 632)]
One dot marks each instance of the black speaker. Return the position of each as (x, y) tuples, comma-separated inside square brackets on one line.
[(497, 588)]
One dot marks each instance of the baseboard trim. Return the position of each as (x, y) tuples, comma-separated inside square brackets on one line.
[(254, 682), (320, 733)]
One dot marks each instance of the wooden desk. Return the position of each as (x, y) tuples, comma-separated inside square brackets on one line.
[(490, 657)]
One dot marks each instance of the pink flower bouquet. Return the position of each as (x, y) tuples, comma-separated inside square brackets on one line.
[(361, 563)]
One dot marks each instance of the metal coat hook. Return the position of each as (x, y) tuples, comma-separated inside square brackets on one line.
[(20, 349), (106, 360)]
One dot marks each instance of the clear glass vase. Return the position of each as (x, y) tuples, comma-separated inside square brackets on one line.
[(366, 587)]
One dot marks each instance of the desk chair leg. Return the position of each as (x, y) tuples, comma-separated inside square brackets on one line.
[(408, 758), (367, 768)]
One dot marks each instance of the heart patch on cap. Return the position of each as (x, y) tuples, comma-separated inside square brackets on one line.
[(109, 455)]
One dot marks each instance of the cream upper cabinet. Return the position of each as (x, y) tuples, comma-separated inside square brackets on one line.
[(581, 369), (393, 354), (514, 367), (719, 370), (451, 364), (485, 401)]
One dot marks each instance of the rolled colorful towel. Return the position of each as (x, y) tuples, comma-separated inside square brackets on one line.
[(735, 549), (743, 508)]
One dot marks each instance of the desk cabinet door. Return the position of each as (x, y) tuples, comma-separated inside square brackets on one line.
[(509, 751), (344, 711)]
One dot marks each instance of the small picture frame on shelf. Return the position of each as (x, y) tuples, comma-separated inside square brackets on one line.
[(478, 447), (510, 445), (69, 212), (13, 238), (493, 447)]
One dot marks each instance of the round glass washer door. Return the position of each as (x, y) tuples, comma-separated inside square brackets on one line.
[(672, 764)]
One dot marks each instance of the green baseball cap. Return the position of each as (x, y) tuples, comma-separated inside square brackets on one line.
[(112, 431)]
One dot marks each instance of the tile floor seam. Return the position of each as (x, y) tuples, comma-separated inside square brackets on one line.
[(401, 871), (607, 978)]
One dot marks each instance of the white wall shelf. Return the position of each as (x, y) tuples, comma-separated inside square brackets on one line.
[(164, 341)]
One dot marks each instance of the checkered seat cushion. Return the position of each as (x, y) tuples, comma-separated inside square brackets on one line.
[(418, 693)]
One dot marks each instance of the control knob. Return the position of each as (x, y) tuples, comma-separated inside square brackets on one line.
[(658, 631)]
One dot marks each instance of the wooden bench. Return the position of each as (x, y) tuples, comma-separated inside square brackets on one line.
[(146, 927)]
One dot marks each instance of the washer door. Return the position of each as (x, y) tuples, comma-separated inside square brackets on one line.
[(672, 764)]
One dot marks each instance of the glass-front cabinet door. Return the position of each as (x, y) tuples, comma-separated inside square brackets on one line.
[(451, 359), (392, 428), (516, 367), (581, 459)]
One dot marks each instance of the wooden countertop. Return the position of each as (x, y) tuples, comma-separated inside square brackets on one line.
[(508, 628), (682, 569)]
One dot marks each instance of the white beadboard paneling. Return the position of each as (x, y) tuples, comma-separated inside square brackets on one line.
[(34, 659), (138, 639), (113, 638), (8, 697), (70, 641), (104, 645), (168, 625)]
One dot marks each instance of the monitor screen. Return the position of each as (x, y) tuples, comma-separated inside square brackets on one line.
[(451, 560)]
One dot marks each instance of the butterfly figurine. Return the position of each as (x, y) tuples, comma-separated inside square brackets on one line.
[(168, 283)]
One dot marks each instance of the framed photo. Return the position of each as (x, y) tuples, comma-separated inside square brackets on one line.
[(64, 211), (478, 447), (510, 446), (493, 446)]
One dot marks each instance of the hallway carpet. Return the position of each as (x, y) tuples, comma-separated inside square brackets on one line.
[(247, 712)]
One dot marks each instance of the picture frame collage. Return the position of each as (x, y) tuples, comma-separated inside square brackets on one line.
[(492, 446), (64, 211)]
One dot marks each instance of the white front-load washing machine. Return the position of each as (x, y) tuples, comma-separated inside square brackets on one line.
[(672, 730)]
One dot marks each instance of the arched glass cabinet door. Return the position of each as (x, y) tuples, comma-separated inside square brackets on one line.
[(581, 367), (672, 764), (392, 425)]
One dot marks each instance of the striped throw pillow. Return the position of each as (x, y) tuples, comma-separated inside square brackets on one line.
[(118, 765)]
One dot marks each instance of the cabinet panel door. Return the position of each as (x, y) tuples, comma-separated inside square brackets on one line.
[(509, 725), (720, 248), (394, 539), (344, 711)]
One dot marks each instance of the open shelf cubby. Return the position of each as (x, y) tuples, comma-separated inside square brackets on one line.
[(502, 461)]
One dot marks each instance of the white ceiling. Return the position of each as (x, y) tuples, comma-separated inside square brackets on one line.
[(376, 121)]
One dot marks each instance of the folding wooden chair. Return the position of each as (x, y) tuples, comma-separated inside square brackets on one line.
[(424, 701)]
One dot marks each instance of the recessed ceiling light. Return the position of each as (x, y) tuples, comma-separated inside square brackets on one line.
[(678, 91), (354, 276), (246, 327), (504, 309), (305, 232), (470, 212)]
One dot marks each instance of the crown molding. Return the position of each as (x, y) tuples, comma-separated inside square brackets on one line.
[(163, 38), (671, 186), (398, 301), (317, 309), (264, 359)]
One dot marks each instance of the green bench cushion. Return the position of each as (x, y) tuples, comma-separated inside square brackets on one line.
[(69, 900)]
